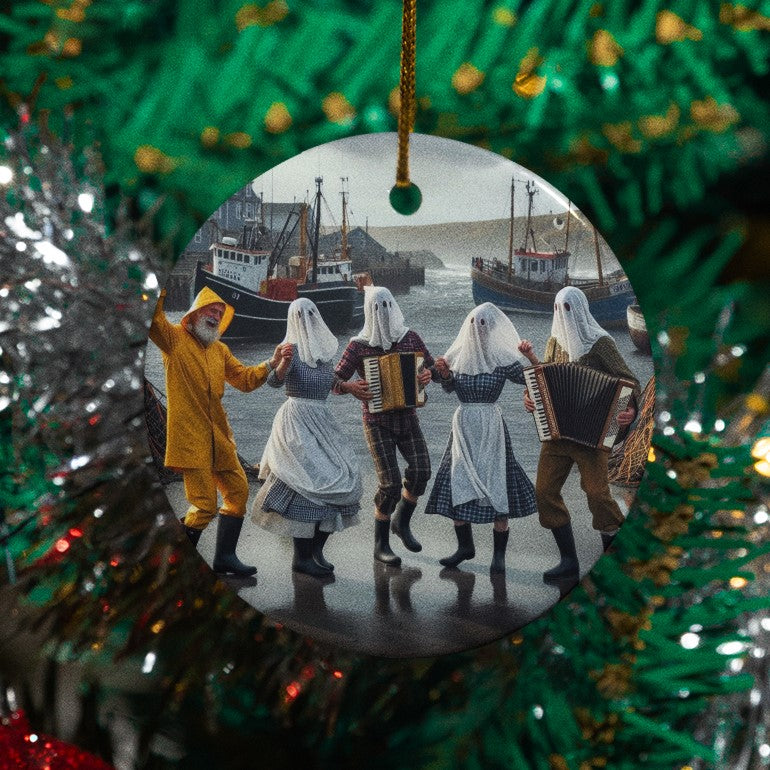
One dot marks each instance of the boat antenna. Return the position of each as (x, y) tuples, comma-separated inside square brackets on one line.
[(598, 257), (344, 226), (317, 224), (510, 238)]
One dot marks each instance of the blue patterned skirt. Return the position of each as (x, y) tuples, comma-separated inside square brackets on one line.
[(279, 509), (521, 492)]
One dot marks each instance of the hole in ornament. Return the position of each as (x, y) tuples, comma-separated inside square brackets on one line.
[(492, 243)]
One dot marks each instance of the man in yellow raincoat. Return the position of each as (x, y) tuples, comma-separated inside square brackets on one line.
[(199, 440)]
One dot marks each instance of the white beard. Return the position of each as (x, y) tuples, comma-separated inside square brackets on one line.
[(204, 332)]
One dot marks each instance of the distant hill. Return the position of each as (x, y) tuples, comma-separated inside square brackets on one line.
[(458, 243)]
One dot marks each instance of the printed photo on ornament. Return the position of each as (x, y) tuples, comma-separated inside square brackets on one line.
[(404, 435)]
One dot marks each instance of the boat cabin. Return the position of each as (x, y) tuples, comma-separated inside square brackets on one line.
[(542, 267), (244, 266), (326, 272), (333, 270)]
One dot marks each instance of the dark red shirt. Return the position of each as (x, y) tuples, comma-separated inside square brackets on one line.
[(352, 362)]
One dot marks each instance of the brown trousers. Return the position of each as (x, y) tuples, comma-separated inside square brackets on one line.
[(556, 461), (200, 489)]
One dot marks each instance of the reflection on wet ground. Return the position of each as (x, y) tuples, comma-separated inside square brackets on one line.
[(418, 609)]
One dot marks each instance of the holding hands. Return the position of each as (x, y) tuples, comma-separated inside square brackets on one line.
[(442, 367), (277, 355), (281, 359)]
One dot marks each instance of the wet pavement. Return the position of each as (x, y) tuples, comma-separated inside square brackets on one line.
[(418, 609)]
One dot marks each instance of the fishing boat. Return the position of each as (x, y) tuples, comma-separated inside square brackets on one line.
[(532, 277), (246, 277), (637, 329)]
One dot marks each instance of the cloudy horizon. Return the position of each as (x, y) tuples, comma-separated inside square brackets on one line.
[(459, 182)]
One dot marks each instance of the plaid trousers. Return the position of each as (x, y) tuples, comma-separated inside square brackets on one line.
[(409, 441)]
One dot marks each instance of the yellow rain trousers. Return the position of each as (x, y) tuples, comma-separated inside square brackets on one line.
[(199, 439)]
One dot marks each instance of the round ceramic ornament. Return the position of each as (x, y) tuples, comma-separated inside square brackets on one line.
[(404, 434)]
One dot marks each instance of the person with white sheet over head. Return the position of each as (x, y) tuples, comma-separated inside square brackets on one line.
[(312, 476), (577, 337), (479, 480), (387, 433)]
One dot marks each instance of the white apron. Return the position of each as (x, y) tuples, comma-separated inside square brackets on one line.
[(310, 455), (478, 456)]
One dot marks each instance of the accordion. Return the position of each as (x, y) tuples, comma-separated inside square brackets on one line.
[(578, 403), (393, 382)]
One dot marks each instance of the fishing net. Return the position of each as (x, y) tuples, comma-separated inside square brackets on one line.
[(628, 459)]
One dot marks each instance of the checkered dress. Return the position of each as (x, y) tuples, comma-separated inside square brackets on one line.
[(483, 388), (279, 498), (281, 509)]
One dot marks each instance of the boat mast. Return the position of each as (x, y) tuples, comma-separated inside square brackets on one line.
[(531, 190), (344, 231), (566, 244), (283, 238), (317, 223), (303, 230), (566, 235), (510, 238), (598, 258), (272, 200)]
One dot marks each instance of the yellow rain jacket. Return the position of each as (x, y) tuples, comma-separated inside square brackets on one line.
[(198, 433)]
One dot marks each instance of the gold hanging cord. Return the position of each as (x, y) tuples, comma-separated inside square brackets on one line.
[(406, 90)]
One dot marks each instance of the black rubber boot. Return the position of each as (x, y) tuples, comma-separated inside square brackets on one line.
[(225, 560), (193, 534), (500, 540), (607, 538), (319, 540), (400, 524), (382, 550), (303, 560), (465, 549), (568, 567)]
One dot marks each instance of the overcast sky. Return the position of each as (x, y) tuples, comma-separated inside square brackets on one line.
[(459, 182)]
